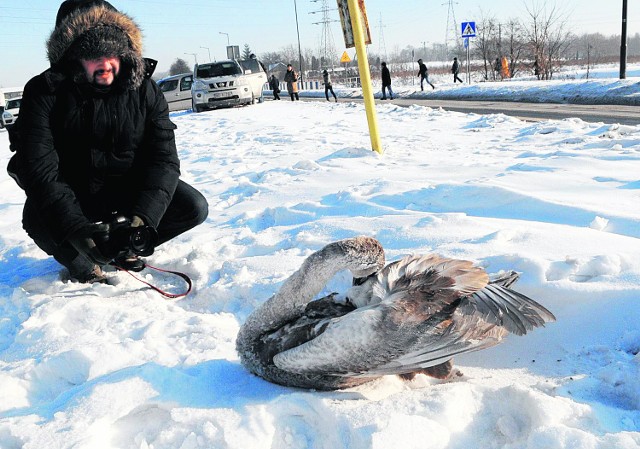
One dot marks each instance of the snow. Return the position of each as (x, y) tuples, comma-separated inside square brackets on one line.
[(119, 366)]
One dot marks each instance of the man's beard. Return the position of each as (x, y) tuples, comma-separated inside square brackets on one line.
[(98, 80)]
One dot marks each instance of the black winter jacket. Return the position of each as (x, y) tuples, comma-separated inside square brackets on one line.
[(82, 153), (386, 77)]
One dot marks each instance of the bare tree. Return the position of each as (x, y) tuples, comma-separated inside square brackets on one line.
[(546, 35), (514, 47), (485, 43)]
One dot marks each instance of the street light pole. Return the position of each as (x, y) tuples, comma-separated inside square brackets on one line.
[(195, 56), (227, 34), (623, 43), (209, 51), (295, 7)]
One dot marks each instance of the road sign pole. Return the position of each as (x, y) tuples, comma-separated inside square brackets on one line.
[(468, 71), (365, 75)]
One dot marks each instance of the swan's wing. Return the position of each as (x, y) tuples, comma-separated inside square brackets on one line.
[(381, 340), (409, 301), (352, 344), (504, 307)]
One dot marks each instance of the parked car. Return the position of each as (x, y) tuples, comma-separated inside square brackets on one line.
[(11, 112), (177, 90), (226, 83)]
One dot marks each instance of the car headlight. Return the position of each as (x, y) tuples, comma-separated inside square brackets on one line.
[(7, 115), (200, 85), (241, 81)]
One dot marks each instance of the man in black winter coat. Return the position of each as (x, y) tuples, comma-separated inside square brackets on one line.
[(94, 140), (423, 73), (386, 82)]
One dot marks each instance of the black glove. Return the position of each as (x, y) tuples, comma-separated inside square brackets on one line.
[(83, 242)]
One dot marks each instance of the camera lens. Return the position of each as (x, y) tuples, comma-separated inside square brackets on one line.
[(142, 240)]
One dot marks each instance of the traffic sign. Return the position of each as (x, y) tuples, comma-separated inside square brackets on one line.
[(468, 29), (345, 57)]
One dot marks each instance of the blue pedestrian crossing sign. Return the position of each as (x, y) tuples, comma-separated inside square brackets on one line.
[(468, 29)]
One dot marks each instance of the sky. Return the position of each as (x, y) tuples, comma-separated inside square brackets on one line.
[(118, 366), (174, 29)]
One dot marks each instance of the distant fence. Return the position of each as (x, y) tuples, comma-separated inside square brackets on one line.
[(316, 84)]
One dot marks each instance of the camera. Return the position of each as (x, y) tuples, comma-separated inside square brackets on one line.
[(118, 237)]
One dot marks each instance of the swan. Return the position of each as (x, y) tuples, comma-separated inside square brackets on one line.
[(411, 316)]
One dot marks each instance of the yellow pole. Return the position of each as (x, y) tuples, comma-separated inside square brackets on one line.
[(365, 75)]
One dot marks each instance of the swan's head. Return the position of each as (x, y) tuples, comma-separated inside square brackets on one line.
[(364, 256)]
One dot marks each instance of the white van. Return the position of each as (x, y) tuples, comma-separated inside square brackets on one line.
[(177, 91)]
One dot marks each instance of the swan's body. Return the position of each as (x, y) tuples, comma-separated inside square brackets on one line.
[(411, 316)]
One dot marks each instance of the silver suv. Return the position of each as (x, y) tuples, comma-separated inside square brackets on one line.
[(227, 83)]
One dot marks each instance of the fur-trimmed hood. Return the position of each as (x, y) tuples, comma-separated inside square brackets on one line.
[(99, 30)]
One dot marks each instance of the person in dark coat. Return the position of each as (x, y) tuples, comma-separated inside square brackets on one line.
[(386, 81), (274, 85), (455, 69), (423, 73), (291, 78), (328, 87), (94, 139)]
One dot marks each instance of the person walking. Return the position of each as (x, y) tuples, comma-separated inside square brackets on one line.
[(326, 80), (93, 138), (423, 73), (274, 85), (455, 69), (386, 82), (291, 78)]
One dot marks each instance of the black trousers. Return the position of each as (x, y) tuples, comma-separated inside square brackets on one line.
[(187, 209)]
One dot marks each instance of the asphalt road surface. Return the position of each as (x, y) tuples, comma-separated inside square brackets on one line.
[(627, 115)]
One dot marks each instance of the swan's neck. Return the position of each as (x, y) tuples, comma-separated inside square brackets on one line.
[(360, 255)]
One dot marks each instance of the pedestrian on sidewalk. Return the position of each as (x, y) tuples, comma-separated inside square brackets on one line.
[(326, 80), (423, 73), (455, 69), (386, 82)]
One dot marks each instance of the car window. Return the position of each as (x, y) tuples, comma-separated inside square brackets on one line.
[(14, 104), (218, 69), (251, 65), (169, 85), (186, 82)]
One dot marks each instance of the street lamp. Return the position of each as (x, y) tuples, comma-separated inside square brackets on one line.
[(195, 56), (209, 51), (227, 34), (295, 7)]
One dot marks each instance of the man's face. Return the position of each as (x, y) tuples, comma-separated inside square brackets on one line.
[(101, 71)]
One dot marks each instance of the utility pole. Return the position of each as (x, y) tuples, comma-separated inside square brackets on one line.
[(452, 31), (327, 48), (623, 43), (382, 47)]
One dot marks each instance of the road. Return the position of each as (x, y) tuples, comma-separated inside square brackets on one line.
[(627, 115)]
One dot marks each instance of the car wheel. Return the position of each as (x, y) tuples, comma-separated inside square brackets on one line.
[(195, 107)]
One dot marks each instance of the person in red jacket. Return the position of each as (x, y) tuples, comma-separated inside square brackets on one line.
[(94, 141)]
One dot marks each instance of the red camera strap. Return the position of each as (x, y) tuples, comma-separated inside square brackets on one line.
[(162, 292)]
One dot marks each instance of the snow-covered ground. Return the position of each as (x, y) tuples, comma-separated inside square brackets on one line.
[(119, 366)]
